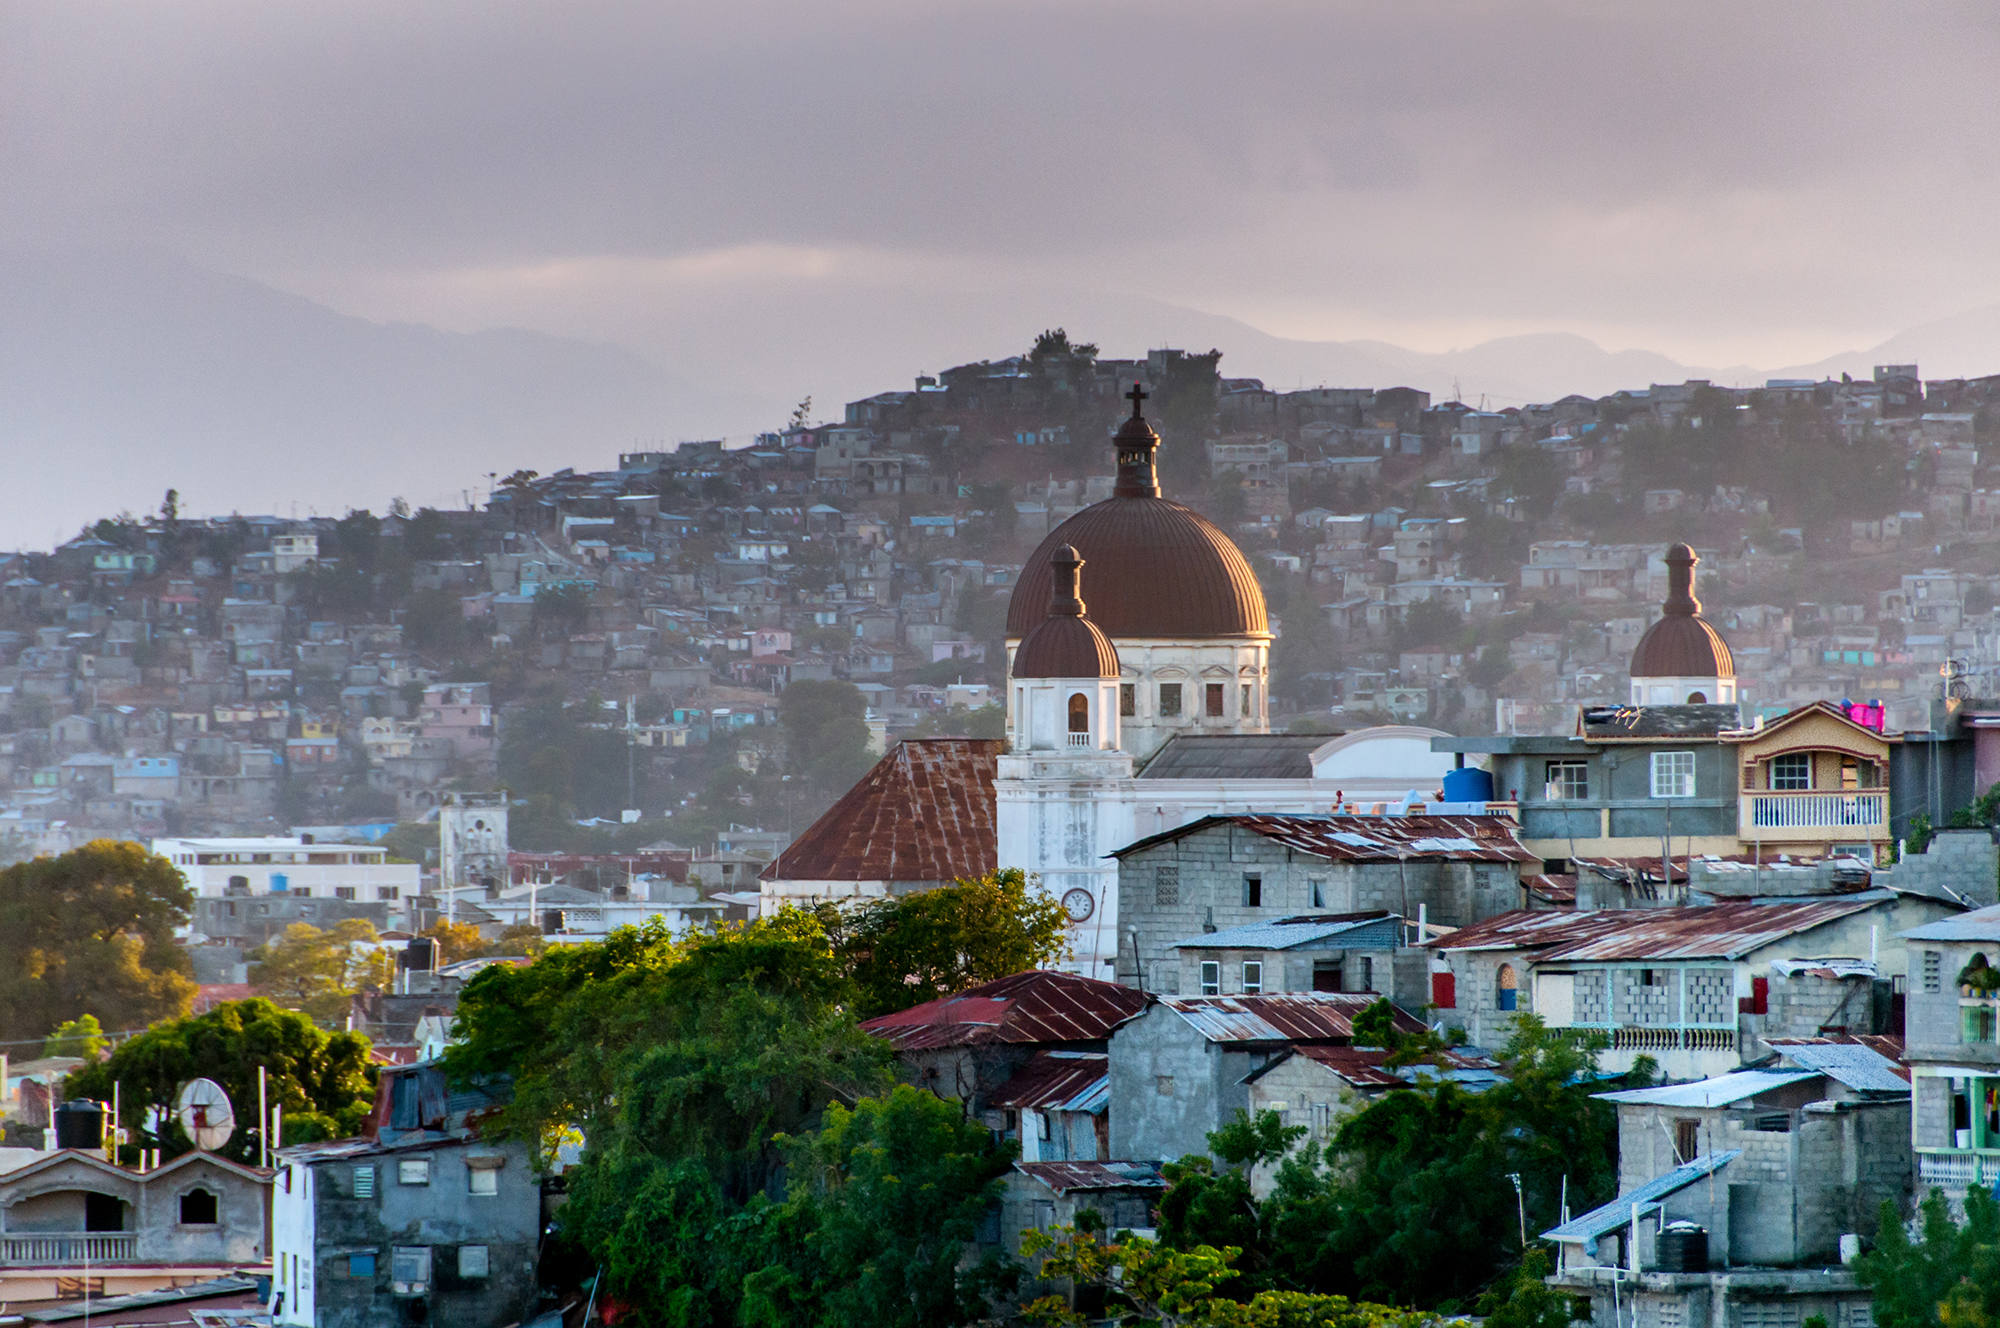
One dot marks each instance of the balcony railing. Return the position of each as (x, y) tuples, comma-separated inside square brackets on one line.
[(1819, 811), (1956, 1170), (1079, 740), (68, 1249)]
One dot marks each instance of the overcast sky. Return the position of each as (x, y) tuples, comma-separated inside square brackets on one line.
[(1724, 183)]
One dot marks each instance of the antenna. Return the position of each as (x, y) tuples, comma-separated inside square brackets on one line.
[(205, 1114)]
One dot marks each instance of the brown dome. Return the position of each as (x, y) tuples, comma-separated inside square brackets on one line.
[(1682, 644), (1065, 644)]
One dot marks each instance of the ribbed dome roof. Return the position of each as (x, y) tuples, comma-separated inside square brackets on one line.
[(1157, 569), (1682, 644), (1065, 644)]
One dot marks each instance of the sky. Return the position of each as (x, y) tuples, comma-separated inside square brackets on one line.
[(1721, 183)]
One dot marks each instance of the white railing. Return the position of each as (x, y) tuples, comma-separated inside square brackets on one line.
[(1953, 1171), (68, 1250), (1079, 740), (1639, 1037), (1811, 811)]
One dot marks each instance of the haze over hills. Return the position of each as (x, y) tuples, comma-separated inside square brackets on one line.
[(123, 375)]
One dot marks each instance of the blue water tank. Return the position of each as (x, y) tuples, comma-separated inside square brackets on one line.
[(1468, 785)]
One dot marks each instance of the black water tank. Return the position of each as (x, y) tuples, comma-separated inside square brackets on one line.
[(80, 1124), (1682, 1247), (420, 955)]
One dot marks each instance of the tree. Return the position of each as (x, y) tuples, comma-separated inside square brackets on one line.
[(562, 610), (92, 930), (826, 738), (1947, 1278), (322, 1080), (317, 971), (906, 951), (82, 1036)]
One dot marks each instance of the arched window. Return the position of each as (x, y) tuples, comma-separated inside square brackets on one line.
[(198, 1209), (1509, 987), (1697, 698), (1079, 713)]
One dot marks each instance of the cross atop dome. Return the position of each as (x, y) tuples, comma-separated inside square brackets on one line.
[(1135, 396)]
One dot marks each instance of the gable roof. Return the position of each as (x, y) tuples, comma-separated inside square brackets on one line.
[(1040, 1005), (95, 1162), (1865, 1067), (1367, 1067), (924, 813), (1059, 1081), (1288, 933), (1369, 838), (1235, 756), (1823, 709), (1602, 1221), (1062, 1177), (1706, 931), (1306, 1016)]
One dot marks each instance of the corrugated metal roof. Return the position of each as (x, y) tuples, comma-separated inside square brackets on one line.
[(1982, 924), (1059, 1081), (1062, 1177), (923, 814), (1037, 1006), (1721, 1091), (1709, 931), (1371, 838), (1306, 1016), (1861, 1068), (1236, 756), (1600, 1222), (1286, 933)]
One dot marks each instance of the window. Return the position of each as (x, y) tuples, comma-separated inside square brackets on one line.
[(1773, 1122), (1673, 774), (1246, 690), (361, 1265), (410, 1270), (1568, 781), (1316, 891), (1170, 698), (1041, 1124), (343, 892), (1128, 699), (472, 1261), (1365, 967), (1687, 1140), (413, 1171), (1079, 713), (389, 892), (482, 1180), (1508, 988), (1329, 975), (1253, 890), (1933, 971), (1211, 978), (1213, 696), (198, 1209), (1163, 1084), (364, 1182), (1167, 885), (1253, 977), (1791, 772)]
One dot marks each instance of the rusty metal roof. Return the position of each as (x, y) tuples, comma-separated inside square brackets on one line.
[(1062, 1177), (1059, 1081), (1365, 1067), (1306, 1016), (1040, 1005), (923, 814), (1708, 931), (1371, 838)]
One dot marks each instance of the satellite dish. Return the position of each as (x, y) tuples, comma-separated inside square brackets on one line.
[(204, 1112)]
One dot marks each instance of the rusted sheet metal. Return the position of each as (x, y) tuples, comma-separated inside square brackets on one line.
[(1709, 931), (1062, 1177), (1037, 1006), (1059, 1081), (1317, 1016), (925, 813), (1366, 1067), (1373, 838)]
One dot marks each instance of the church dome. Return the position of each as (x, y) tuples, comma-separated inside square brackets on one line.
[(1682, 644), (1065, 644), (1157, 569)]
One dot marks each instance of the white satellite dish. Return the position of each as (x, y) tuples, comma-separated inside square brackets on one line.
[(204, 1112)]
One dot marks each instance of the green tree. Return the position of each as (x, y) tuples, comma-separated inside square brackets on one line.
[(906, 951), (435, 620), (562, 610), (1949, 1277), (323, 1080), (318, 972), (826, 738), (92, 930), (82, 1036)]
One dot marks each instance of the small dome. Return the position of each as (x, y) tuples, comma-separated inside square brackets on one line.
[(1065, 644), (1682, 644)]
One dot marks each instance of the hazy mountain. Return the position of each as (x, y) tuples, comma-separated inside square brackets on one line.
[(122, 376)]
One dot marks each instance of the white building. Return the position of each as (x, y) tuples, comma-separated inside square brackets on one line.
[(294, 865)]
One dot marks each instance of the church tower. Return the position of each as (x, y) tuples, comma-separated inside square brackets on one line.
[(1682, 659)]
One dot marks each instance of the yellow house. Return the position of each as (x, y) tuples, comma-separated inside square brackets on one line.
[(319, 728), (1812, 782)]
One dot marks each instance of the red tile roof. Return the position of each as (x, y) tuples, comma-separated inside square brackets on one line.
[(1040, 1005), (923, 814)]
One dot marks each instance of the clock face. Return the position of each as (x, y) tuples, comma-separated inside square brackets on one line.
[(1078, 904)]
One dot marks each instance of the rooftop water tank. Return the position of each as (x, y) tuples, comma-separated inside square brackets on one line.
[(1468, 785), (80, 1124)]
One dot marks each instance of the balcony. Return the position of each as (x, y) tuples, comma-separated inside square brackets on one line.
[(68, 1249), (1861, 814), (1956, 1169)]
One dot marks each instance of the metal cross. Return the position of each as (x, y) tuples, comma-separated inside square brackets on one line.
[(1135, 396)]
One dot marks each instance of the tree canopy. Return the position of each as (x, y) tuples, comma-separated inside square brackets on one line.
[(906, 951), (826, 738), (322, 1080), (92, 931), (1949, 1277), (319, 971)]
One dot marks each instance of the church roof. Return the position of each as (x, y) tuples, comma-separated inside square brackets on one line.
[(1235, 756), (1682, 644), (1066, 644), (924, 814)]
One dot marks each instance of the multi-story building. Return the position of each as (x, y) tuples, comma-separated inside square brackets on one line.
[(215, 868)]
